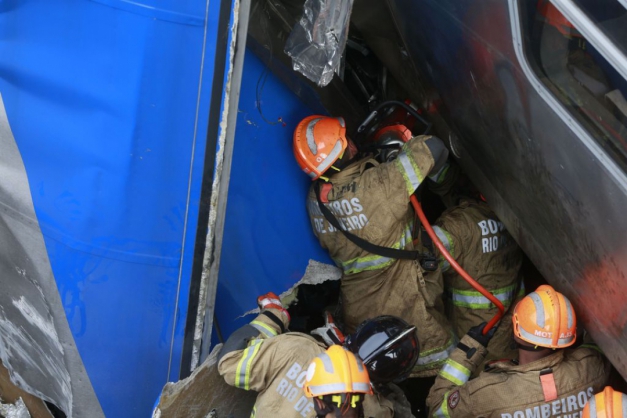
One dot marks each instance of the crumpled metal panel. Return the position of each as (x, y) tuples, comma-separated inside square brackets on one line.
[(36, 344), (204, 394)]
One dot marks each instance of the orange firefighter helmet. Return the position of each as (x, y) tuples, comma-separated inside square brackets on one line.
[(606, 404), (319, 141), (545, 318)]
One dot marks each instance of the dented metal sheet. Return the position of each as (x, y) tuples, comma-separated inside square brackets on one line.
[(36, 344), (204, 394), (17, 410)]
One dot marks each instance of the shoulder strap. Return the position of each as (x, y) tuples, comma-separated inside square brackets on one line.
[(362, 243)]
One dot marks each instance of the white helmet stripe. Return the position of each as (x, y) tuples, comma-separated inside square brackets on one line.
[(569, 310), (309, 133), (540, 320), (334, 155), (543, 341), (361, 387), (592, 407), (329, 388)]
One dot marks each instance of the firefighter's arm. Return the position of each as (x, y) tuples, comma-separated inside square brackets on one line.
[(249, 368), (273, 320), (449, 395), (420, 157), (453, 230)]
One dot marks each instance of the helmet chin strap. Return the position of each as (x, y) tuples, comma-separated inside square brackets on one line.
[(529, 348)]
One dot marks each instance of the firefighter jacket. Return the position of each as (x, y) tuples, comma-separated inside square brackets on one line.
[(556, 386), (479, 242), (275, 365), (371, 200)]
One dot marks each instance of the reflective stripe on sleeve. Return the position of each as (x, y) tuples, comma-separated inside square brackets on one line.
[(442, 411), (376, 262), (433, 358), (264, 329), (448, 242), (475, 300), (455, 372), (252, 414), (410, 171), (242, 373), (440, 175)]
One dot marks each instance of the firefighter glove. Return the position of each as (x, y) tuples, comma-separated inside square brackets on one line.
[(476, 333)]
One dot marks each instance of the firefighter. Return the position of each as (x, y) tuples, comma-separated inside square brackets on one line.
[(359, 210), (478, 241), (606, 404), (337, 381), (548, 379), (261, 357)]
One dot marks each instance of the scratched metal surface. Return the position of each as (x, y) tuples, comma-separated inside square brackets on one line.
[(562, 198), (36, 344)]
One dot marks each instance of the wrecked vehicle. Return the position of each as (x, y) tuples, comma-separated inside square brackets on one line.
[(149, 192)]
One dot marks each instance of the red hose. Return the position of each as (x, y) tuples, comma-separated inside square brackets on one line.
[(457, 267)]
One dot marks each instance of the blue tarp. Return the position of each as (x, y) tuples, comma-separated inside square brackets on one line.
[(268, 240), (109, 102)]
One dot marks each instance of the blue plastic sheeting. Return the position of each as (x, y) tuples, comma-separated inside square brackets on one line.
[(268, 240), (103, 99)]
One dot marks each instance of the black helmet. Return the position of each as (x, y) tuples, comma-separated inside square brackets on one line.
[(387, 345)]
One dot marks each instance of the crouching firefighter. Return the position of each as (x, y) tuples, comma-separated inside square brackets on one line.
[(359, 211), (548, 379), (262, 357), (479, 242)]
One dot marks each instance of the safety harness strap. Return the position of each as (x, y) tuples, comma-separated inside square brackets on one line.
[(362, 243)]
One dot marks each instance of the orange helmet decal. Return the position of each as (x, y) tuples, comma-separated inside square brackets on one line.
[(606, 404), (545, 318), (319, 141), (336, 371)]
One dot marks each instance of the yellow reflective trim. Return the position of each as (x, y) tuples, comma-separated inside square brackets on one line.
[(271, 332), (442, 411), (250, 364), (376, 262), (243, 367)]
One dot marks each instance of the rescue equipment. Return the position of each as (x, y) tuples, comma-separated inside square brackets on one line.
[(545, 318)]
